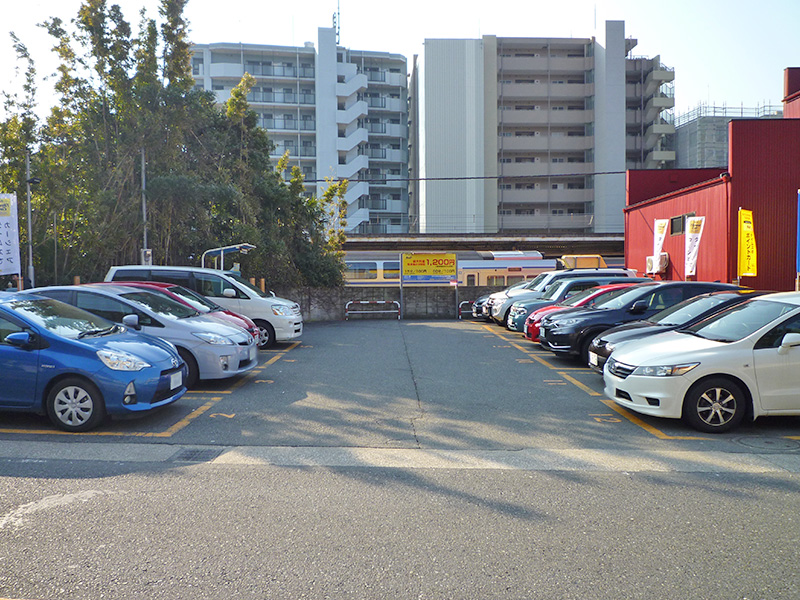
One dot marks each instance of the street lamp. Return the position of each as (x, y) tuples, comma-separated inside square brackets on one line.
[(29, 182)]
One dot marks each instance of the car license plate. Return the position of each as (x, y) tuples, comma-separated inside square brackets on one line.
[(593, 359), (175, 380), (253, 351)]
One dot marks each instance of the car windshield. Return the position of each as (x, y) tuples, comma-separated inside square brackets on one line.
[(685, 311), (243, 282), (577, 299), (534, 283), (60, 318), (624, 297), (161, 305), (552, 291), (739, 321), (200, 303)]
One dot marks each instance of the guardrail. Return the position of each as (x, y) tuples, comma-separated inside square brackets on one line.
[(461, 304), (348, 311)]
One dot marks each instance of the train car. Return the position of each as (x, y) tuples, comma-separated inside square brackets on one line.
[(474, 268)]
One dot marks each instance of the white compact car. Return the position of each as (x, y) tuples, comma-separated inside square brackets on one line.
[(742, 362), (278, 319)]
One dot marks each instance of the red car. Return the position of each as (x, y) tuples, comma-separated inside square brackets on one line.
[(195, 301), (585, 298)]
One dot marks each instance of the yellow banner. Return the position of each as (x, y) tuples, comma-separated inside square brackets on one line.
[(747, 245)]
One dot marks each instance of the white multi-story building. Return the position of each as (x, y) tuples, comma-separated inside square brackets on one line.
[(340, 113), (533, 135)]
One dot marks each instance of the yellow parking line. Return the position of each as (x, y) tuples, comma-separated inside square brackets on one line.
[(611, 404), (172, 430)]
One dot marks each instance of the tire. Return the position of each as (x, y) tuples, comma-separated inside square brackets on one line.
[(715, 405), (193, 374), (75, 404), (267, 331)]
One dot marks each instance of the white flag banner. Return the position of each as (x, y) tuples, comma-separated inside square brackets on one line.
[(694, 231), (9, 235), (659, 233)]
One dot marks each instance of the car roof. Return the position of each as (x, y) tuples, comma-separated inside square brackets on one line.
[(787, 297), (149, 284), (106, 289), (173, 268)]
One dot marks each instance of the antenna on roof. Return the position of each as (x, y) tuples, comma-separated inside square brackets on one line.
[(337, 22)]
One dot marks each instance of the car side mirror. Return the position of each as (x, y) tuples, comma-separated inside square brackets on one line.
[(638, 308), (790, 340), (229, 293), (131, 321), (20, 339)]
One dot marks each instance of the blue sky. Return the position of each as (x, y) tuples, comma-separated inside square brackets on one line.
[(724, 52)]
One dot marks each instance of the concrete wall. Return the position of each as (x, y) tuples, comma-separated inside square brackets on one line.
[(429, 302)]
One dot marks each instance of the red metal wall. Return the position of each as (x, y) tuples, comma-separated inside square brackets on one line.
[(791, 87), (705, 200), (646, 184), (764, 157)]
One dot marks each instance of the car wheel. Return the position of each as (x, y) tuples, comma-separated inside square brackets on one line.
[(267, 334), (75, 404), (714, 405), (584, 352), (193, 372)]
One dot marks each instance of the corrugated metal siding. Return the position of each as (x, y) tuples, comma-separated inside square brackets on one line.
[(709, 202), (765, 171)]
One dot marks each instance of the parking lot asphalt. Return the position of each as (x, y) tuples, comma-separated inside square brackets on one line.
[(438, 394)]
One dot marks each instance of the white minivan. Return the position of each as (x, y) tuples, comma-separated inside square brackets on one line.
[(278, 319)]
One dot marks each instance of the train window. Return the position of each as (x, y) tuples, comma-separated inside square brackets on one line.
[(470, 279), (495, 280), (512, 279), (361, 270), (391, 270)]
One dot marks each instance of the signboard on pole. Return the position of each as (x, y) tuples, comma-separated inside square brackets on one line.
[(429, 268), (694, 231), (9, 235), (747, 245)]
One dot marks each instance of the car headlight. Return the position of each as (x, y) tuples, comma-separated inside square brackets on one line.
[(121, 361), (281, 310), (664, 370), (213, 338), (564, 322)]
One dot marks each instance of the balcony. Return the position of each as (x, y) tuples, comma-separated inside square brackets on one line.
[(526, 65), (656, 131), (546, 117), (544, 143), (349, 169), (545, 222), (543, 196), (655, 105), (540, 169), (230, 70), (658, 158), (544, 90)]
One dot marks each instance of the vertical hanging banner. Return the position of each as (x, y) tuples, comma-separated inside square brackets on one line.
[(659, 233), (694, 231), (9, 235), (747, 245)]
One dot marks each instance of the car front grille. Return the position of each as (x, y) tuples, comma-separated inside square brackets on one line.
[(619, 369)]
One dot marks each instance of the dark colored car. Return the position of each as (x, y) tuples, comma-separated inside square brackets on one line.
[(571, 334), (683, 314), (557, 292)]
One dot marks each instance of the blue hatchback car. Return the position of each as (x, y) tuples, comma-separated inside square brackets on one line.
[(77, 367)]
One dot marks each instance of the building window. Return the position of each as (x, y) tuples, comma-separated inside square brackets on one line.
[(677, 225)]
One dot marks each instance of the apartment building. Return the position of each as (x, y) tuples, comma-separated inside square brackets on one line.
[(533, 135), (701, 134), (340, 113)]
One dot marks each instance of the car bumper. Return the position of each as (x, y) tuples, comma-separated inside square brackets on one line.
[(153, 389), (655, 396), (223, 361), (289, 330), (556, 342)]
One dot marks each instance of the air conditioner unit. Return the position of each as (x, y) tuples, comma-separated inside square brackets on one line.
[(657, 264)]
